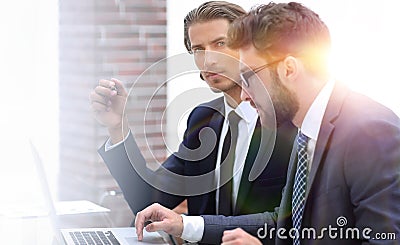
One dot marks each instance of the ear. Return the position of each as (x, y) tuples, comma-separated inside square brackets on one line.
[(289, 69)]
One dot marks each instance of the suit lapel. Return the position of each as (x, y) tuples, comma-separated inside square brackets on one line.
[(216, 125), (332, 111)]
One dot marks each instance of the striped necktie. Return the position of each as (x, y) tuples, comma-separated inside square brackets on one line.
[(300, 183)]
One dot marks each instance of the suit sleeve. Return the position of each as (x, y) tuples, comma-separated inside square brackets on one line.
[(124, 160), (137, 192), (373, 176), (256, 224)]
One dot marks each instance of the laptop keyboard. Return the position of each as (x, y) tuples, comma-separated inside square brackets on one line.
[(93, 238)]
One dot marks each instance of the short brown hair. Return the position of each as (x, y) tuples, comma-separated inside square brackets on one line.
[(281, 29), (208, 11)]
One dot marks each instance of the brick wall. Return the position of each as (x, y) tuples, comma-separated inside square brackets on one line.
[(104, 39)]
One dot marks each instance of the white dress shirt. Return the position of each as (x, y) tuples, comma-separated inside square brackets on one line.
[(313, 119), (246, 128)]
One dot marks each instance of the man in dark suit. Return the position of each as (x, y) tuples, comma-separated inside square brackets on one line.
[(343, 184), (205, 37)]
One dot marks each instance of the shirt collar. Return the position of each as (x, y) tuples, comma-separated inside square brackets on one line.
[(313, 119), (244, 110)]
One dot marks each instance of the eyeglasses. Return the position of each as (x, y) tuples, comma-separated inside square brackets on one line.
[(245, 76)]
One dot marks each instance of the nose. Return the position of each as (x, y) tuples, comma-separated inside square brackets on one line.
[(210, 59), (244, 95)]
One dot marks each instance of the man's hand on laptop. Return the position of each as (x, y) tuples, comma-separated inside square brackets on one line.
[(163, 219)]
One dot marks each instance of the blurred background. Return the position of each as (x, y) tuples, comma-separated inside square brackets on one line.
[(52, 54)]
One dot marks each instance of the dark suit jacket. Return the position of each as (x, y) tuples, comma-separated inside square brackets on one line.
[(264, 193), (355, 175)]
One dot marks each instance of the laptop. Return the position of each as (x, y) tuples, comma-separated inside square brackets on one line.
[(80, 236)]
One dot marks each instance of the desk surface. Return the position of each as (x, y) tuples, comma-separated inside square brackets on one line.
[(39, 230), (21, 231)]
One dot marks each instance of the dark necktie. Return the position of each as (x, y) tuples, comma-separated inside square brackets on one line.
[(300, 183), (227, 161)]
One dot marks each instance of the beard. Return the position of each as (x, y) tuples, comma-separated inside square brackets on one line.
[(284, 101), (222, 84)]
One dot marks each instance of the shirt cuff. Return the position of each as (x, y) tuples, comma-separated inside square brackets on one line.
[(193, 228), (108, 146)]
